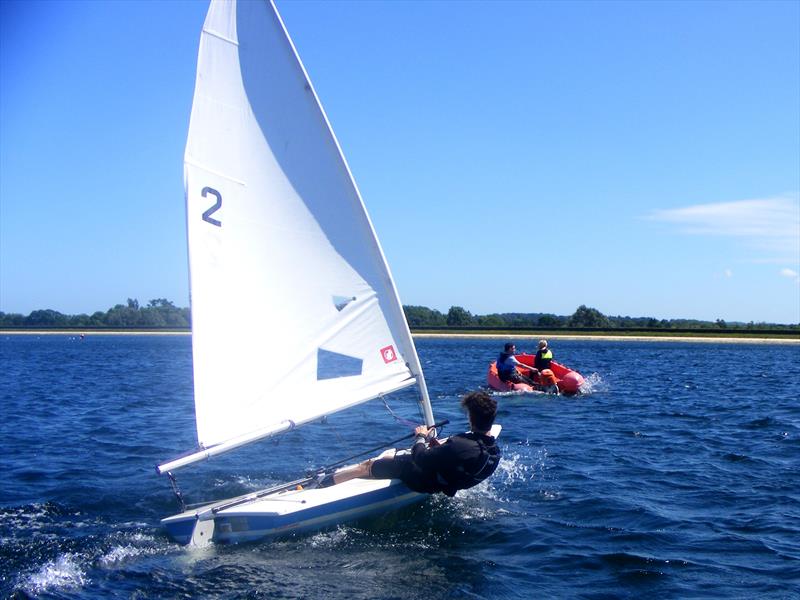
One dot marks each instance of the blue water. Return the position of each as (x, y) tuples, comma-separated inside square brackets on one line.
[(676, 476)]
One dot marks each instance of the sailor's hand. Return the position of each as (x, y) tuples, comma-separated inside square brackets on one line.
[(421, 431)]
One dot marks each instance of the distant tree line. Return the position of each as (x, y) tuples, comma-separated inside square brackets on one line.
[(161, 313), (583, 317)]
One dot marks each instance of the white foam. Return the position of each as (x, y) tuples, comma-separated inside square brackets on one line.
[(124, 552), (24, 516), (513, 393), (594, 383), (244, 481), (118, 554), (513, 467), (64, 572), (252, 484), (516, 467), (327, 539)]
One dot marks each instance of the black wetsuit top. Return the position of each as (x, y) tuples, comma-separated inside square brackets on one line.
[(463, 461), (542, 363)]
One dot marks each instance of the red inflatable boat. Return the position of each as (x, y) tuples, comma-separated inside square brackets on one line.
[(568, 381)]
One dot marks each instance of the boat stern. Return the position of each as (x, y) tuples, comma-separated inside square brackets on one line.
[(180, 527)]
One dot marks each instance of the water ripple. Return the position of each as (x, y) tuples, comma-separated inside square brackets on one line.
[(670, 477)]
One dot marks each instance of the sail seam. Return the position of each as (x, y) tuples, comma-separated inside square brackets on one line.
[(195, 163), (220, 37)]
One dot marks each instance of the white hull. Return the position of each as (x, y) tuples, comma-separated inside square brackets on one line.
[(292, 511)]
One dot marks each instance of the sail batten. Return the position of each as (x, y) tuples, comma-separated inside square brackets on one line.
[(221, 37), (285, 267)]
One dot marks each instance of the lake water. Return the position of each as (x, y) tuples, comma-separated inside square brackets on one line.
[(676, 476)]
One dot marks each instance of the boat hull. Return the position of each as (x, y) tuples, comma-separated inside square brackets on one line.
[(294, 511), (569, 382)]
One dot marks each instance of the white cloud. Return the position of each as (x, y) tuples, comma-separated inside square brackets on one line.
[(728, 273), (791, 274), (772, 224)]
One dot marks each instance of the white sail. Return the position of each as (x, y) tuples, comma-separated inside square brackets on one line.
[(294, 311)]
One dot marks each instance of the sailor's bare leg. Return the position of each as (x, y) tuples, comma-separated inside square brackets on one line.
[(362, 470)]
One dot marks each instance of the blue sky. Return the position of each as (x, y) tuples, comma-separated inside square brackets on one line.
[(642, 158)]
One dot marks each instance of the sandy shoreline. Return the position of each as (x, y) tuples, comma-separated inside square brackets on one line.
[(498, 336)]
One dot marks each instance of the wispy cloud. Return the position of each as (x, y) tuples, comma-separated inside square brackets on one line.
[(771, 224), (791, 274)]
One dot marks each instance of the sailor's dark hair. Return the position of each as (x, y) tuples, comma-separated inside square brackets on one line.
[(482, 409), (508, 346)]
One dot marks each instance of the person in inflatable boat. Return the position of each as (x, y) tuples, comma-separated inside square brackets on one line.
[(507, 365), (544, 356), (461, 462)]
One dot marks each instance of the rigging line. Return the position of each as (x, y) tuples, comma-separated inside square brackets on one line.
[(339, 437), (177, 490), (407, 422)]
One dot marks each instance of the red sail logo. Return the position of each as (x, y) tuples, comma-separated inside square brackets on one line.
[(388, 354)]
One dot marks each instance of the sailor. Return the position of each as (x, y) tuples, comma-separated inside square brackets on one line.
[(461, 462), (544, 356), (507, 367)]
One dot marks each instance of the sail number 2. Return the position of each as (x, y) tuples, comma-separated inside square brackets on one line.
[(210, 211)]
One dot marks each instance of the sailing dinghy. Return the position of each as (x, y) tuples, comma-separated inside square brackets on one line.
[(291, 294)]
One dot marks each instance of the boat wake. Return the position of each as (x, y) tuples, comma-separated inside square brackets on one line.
[(128, 546), (330, 539), (56, 549), (515, 393), (72, 571), (592, 384), (59, 565), (63, 573)]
